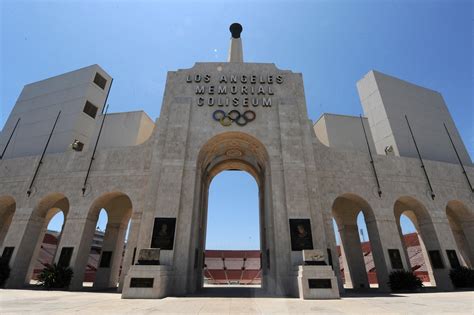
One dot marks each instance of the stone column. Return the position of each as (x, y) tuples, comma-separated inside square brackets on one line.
[(355, 259), (23, 235), (345, 265), (131, 247), (5, 223), (36, 251), (382, 266), (431, 241), (468, 241), (114, 239), (389, 237), (78, 233)]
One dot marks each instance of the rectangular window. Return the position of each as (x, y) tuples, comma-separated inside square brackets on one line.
[(100, 81), (90, 109)]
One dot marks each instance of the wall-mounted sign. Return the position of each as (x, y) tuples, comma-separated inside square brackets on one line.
[(436, 260), (163, 233), (234, 116), (453, 258), (300, 232), (65, 256), (395, 259), (236, 91), (105, 259)]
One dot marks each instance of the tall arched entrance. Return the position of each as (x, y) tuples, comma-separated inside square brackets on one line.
[(233, 151), (461, 221)]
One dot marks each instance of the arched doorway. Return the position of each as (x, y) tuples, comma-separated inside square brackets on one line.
[(232, 236), (7, 209), (234, 151), (28, 249), (429, 246), (49, 244), (461, 221), (359, 260), (118, 209)]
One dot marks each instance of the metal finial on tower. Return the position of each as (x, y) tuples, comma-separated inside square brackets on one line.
[(235, 51)]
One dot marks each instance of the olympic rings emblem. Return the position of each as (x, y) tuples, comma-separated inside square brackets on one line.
[(234, 116)]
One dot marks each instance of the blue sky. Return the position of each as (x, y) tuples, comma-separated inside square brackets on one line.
[(333, 43)]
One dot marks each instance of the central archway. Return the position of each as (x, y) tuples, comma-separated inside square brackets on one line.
[(234, 151)]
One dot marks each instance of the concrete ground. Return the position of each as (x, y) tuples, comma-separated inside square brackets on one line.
[(58, 302)]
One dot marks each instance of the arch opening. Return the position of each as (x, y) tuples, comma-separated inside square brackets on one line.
[(100, 262), (232, 234), (224, 153), (360, 254), (50, 212), (418, 237)]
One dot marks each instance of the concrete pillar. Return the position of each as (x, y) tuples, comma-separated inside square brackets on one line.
[(23, 235), (5, 222), (382, 266), (427, 260), (355, 259), (36, 251), (347, 275), (78, 233), (107, 277), (131, 247), (430, 241), (465, 240)]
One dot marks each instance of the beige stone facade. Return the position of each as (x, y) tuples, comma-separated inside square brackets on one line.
[(220, 116)]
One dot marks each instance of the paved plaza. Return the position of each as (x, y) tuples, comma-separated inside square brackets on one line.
[(57, 302)]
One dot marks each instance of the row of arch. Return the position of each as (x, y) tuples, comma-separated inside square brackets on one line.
[(21, 237), (118, 207), (345, 211)]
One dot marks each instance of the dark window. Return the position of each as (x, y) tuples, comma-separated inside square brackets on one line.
[(90, 109), (436, 260), (100, 81), (105, 259), (65, 256)]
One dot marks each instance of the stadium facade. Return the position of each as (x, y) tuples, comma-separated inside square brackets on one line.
[(62, 152)]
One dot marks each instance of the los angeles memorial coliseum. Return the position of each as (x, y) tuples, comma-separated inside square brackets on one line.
[(61, 151)]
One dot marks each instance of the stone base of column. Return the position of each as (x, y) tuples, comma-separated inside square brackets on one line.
[(147, 282), (317, 283)]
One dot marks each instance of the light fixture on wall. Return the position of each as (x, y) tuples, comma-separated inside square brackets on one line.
[(77, 145)]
